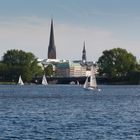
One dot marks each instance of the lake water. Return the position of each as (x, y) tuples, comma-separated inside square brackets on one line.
[(65, 112)]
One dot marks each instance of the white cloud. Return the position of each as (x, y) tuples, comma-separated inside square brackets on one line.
[(32, 34)]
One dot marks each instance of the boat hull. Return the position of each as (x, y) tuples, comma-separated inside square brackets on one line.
[(92, 88)]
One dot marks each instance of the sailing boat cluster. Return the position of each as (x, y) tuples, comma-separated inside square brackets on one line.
[(44, 81), (90, 83)]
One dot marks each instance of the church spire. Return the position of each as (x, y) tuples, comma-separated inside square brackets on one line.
[(84, 59), (51, 48)]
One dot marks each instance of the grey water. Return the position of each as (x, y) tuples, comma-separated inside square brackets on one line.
[(68, 112)]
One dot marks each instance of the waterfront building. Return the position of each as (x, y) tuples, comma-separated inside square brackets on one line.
[(76, 70), (62, 69), (70, 69)]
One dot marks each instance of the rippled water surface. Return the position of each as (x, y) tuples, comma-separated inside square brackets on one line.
[(65, 112)]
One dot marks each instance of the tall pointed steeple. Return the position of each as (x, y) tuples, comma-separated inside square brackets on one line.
[(51, 47), (84, 59)]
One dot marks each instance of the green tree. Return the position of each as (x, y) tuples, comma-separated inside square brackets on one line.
[(3, 71), (116, 62), (49, 70), (21, 63)]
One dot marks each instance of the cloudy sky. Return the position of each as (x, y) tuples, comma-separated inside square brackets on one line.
[(102, 24)]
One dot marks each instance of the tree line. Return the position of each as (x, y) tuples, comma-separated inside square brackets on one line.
[(18, 62), (115, 65)]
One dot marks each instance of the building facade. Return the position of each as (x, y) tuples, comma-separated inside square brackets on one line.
[(70, 69)]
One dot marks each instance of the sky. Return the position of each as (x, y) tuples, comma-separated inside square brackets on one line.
[(101, 24)]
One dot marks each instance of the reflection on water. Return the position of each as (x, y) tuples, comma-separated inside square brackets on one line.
[(63, 112)]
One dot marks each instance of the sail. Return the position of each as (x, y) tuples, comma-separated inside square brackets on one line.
[(20, 82), (93, 82), (86, 83), (78, 83), (44, 80)]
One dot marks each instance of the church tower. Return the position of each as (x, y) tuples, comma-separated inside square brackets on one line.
[(51, 47), (84, 59)]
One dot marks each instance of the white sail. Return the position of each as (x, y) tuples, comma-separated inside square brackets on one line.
[(20, 82), (44, 80), (78, 83), (93, 82), (86, 83)]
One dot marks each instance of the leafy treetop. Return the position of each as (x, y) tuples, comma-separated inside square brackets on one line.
[(116, 62)]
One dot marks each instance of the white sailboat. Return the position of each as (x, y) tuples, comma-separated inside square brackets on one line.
[(20, 82), (92, 85), (44, 80)]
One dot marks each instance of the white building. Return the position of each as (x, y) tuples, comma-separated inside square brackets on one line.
[(70, 69)]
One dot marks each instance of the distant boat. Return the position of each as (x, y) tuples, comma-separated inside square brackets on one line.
[(92, 85), (44, 80), (78, 83), (20, 82)]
